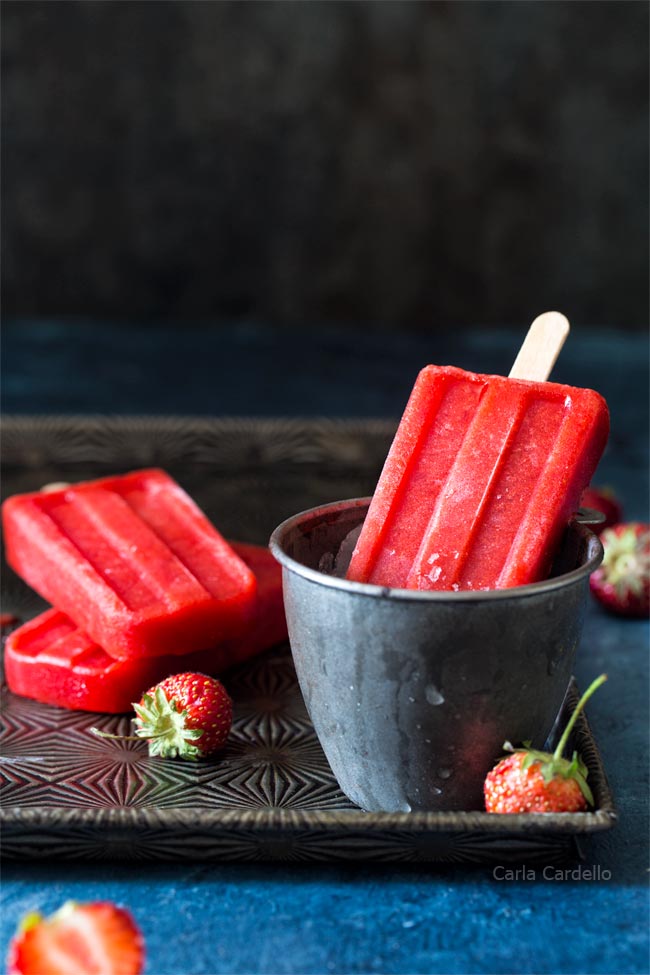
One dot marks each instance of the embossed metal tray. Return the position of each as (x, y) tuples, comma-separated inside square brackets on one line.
[(270, 795)]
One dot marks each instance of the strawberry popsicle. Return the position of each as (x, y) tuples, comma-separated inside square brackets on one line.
[(51, 660), (133, 562), (480, 482)]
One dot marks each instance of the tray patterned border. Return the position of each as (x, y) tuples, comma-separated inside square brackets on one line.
[(271, 795)]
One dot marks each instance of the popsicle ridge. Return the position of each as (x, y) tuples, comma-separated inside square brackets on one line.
[(170, 519), (481, 499), (133, 562), (582, 436), (49, 635), (523, 437), (392, 551), (100, 525), (28, 528), (72, 645), (449, 536), (50, 659)]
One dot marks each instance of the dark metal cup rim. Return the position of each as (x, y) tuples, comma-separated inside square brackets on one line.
[(279, 536)]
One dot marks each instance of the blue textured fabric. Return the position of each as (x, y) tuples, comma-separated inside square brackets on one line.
[(276, 918)]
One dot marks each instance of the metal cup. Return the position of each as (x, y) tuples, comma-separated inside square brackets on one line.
[(412, 694)]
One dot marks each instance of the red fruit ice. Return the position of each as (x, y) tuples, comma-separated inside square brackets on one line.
[(132, 561), (51, 660), (530, 781), (622, 581), (79, 939), (480, 482)]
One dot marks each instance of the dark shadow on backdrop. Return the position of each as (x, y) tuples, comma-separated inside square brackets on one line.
[(416, 164)]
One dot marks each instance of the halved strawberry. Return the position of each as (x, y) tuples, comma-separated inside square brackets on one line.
[(622, 582), (79, 939), (604, 500)]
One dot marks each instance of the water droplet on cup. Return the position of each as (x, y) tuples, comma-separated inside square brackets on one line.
[(552, 666), (433, 695)]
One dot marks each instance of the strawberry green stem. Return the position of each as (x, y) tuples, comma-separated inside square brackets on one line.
[(561, 745), (105, 734)]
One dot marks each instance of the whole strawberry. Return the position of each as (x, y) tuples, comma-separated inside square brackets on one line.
[(622, 581), (529, 781), (180, 711), (87, 939), (604, 500)]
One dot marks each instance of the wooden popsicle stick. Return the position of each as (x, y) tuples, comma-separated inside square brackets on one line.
[(541, 347)]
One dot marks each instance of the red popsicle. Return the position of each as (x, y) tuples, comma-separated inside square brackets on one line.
[(51, 660), (133, 562), (481, 480)]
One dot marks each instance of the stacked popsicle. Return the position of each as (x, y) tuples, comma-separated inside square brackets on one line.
[(143, 585)]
